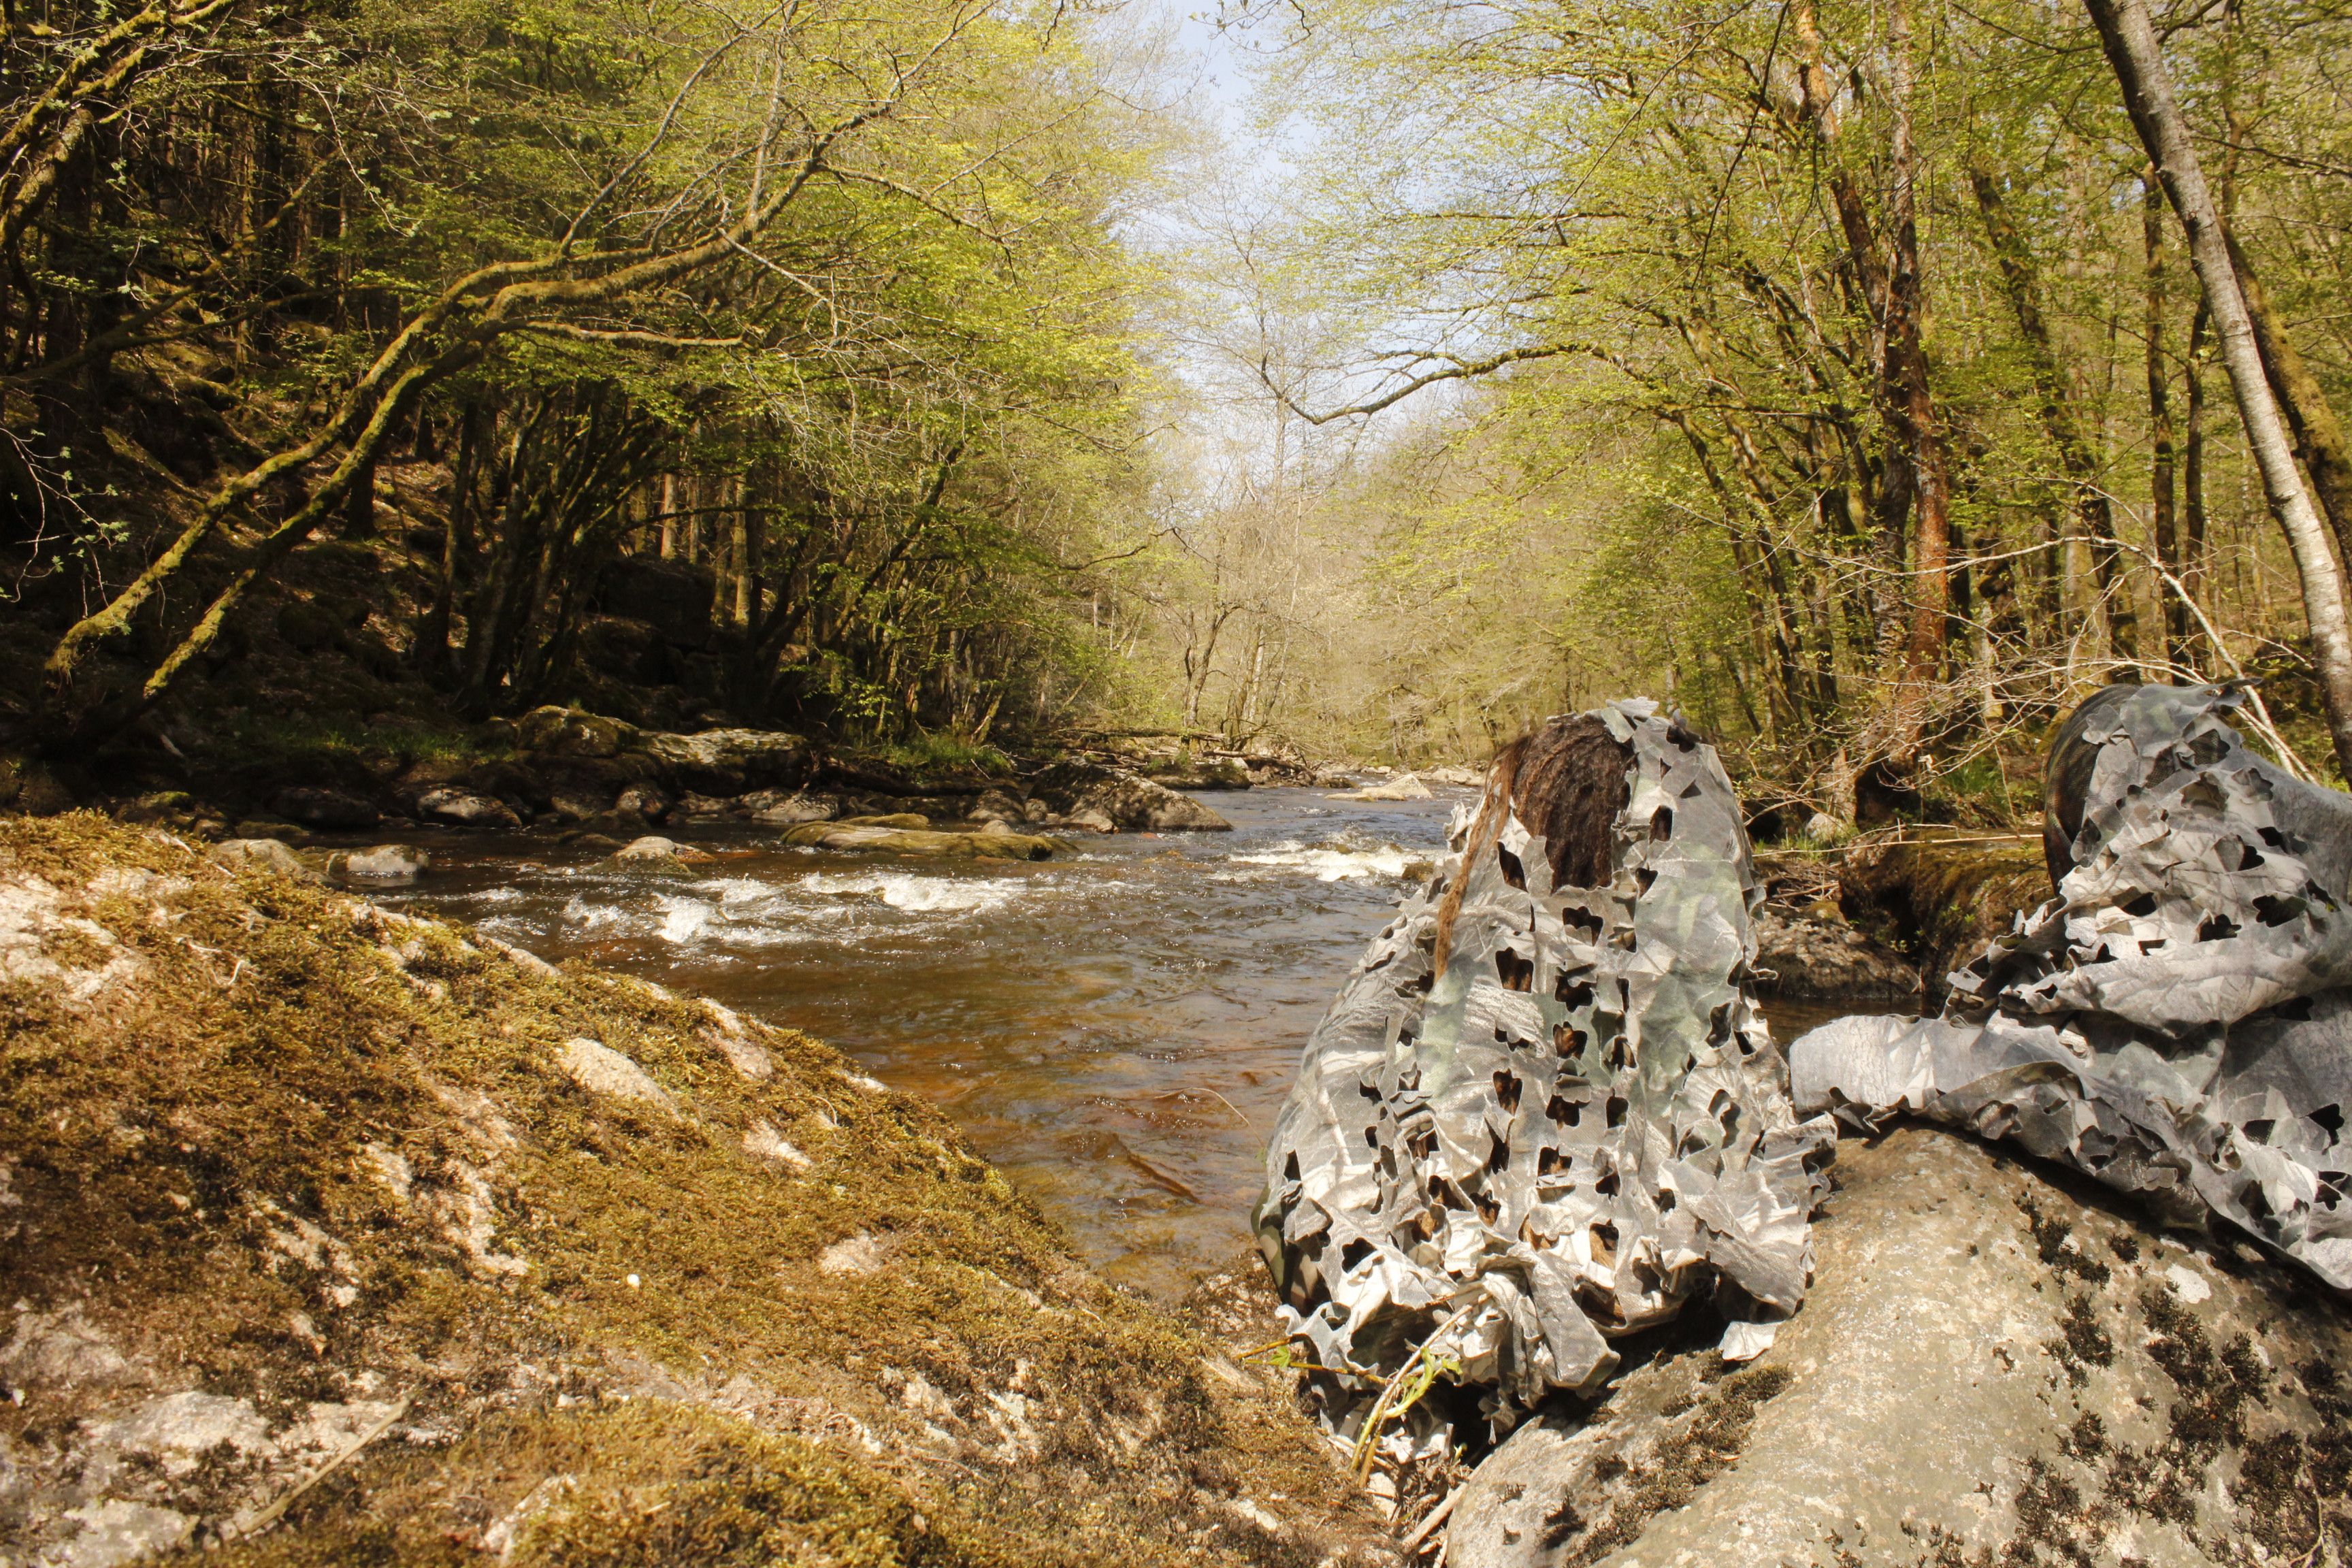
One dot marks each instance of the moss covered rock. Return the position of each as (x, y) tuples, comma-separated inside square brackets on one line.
[(551, 1264)]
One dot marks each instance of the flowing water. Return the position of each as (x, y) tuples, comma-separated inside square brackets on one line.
[(1115, 1028)]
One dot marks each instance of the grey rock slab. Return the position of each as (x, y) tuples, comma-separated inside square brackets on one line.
[(112, 1531), (1991, 1366)]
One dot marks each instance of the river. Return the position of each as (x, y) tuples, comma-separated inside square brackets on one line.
[(1114, 1028)]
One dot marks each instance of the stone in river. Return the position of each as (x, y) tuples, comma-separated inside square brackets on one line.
[(464, 808), (1997, 1362), (262, 855), (908, 819), (654, 847), (645, 800), (1111, 800), (1000, 844), (780, 808), (996, 806), (385, 863), (1403, 788)]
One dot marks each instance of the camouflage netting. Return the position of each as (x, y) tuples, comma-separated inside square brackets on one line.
[(2178, 1021), (1580, 1125)]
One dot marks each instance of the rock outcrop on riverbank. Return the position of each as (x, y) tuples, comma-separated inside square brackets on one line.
[(565, 768), (1940, 896), (340, 1236), (1111, 800)]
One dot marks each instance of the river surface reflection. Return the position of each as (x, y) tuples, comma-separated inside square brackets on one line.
[(1115, 1028)]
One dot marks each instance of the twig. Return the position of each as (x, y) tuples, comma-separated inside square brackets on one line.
[(1229, 1105), (1368, 1446), (1431, 1520), (271, 1514)]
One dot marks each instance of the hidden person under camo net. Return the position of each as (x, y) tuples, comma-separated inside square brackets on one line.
[(1544, 1112), (2177, 1020)]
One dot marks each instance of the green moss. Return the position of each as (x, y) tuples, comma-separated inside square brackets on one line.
[(211, 1152)]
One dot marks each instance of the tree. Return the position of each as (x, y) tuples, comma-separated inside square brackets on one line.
[(2131, 48)]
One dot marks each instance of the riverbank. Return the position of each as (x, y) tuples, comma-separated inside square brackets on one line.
[(553, 1264), (569, 769)]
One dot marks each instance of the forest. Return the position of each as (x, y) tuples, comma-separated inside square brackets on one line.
[(1850, 376)]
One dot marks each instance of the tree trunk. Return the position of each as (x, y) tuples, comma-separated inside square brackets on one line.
[(1917, 478), (432, 642), (740, 550), (2161, 499), (2021, 279), (2318, 439), (2192, 454), (359, 502), (2131, 48), (1907, 355)]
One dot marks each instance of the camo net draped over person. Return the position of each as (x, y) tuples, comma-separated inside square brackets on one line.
[(1544, 1112), (2176, 1022)]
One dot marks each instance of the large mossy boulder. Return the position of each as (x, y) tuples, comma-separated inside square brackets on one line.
[(572, 733), (1993, 1366), (1187, 772), (731, 761), (541, 1268), (1112, 800)]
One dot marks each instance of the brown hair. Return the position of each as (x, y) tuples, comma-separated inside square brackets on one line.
[(1567, 782)]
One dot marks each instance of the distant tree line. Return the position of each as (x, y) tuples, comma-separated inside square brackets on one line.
[(1870, 374)]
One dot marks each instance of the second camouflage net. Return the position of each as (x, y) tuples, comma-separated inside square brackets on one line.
[(1582, 1123), (2178, 1021)]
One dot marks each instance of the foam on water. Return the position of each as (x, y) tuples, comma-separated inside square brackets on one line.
[(585, 917), (918, 894), (1330, 863), (683, 920)]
